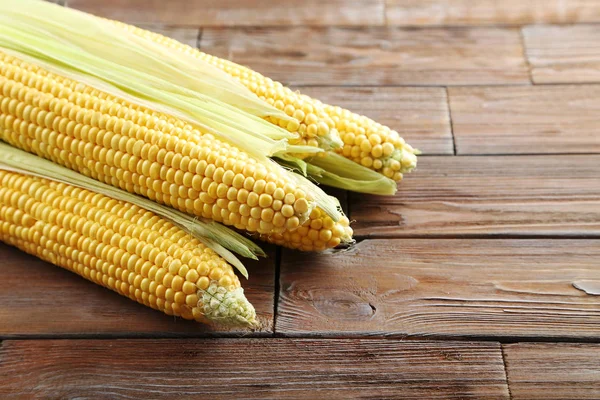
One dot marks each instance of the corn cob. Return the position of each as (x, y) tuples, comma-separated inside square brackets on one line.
[(222, 240), (157, 156), (356, 137), (122, 247), (314, 126)]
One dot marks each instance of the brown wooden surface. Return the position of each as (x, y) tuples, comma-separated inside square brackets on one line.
[(374, 56), (484, 196), (40, 299), (420, 115), (252, 368), (425, 287), (559, 54), (526, 119), (553, 371), (490, 12), (238, 12), (500, 243)]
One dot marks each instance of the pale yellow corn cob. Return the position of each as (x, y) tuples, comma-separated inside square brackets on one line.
[(363, 140), (122, 247), (152, 154), (314, 126)]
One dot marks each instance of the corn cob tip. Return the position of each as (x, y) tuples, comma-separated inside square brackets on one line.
[(406, 157), (227, 307), (318, 233)]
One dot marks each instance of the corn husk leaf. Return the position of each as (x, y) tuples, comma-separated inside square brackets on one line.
[(337, 171), (219, 238), (293, 163)]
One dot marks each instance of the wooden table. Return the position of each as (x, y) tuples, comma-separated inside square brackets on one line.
[(480, 279)]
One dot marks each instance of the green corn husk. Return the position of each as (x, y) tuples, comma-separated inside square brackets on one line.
[(337, 171)]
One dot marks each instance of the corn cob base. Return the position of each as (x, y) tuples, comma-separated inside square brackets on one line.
[(121, 247)]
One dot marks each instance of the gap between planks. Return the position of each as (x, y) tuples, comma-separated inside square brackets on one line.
[(525, 57), (450, 121), (503, 355), (504, 340), (276, 289)]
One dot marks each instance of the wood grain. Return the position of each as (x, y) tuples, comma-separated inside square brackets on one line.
[(374, 56), (447, 288), (420, 115), (487, 196), (238, 12), (487, 12), (563, 54), (40, 299), (526, 119), (252, 368), (553, 371)]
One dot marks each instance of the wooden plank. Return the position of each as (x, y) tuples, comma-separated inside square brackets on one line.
[(526, 119), (420, 115), (374, 56), (487, 196), (553, 371), (563, 54), (37, 298), (490, 12), (446, 288), (252, 368), (238, 12)]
